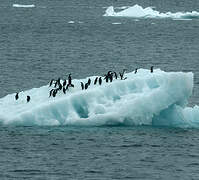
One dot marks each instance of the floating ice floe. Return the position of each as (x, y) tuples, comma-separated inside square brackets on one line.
[(116, 23), (23, 5), (137, 11), (71, 22)]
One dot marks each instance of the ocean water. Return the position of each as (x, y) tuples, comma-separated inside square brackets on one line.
[(57, 37), (98, 153)]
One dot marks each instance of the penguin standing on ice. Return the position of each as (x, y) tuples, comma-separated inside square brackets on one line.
[(69, 82), (151, 69), (69, 79), (95, 82), (111, 77), (60, 87), (64, 90), (58, 81), (55, 84), (51, 82), (106, 78), (82, 85), (50, 94), (86, 86), (64, 83), (28, 98), (136, 70), (17, 96), (54, 92), (89, 81), (100, 80), (122, 74)]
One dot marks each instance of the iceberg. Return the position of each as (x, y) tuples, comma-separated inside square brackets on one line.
[(156, 99), (137, 11)]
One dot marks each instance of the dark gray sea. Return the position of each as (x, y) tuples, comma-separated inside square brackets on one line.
[(58, 37)]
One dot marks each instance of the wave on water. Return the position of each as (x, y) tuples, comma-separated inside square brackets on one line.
[(23, 5), (137, 11), (72, 22), (144, 98)]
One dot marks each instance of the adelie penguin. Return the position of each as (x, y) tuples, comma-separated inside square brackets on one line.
[(54, 92), (136, 70), (69, 79), (17, 96), (51, 82), (89, 81), (100, 80), (106, 78), (58, 81), (122, 74), (50, 94), (55, 84), (111, 77), (95, 82), (28, 98), (115, 75), (86, 86), (64, 83), (60, 86), (64, 90), (82, 85), (151, 69)]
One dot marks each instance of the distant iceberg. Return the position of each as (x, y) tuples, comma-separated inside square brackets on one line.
[(23, 5), (137, 11), (155, 99), (71, 22)]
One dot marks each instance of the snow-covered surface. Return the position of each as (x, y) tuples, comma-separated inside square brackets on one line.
[(137, 11), (145, 98)]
